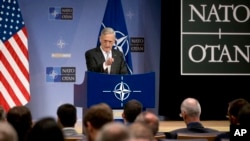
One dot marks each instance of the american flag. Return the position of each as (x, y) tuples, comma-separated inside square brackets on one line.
[(14, 57)]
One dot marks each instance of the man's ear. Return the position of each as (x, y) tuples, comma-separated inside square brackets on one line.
[(123, 115), (89, 126)]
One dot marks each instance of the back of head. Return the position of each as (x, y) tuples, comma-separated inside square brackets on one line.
[(233, 109), (7, 132), (139, 130), (113, 131), (98, 115), (132, 109), (244, 115), (21, 119), (67, 115), (191, 107), (46, 129), (150, 119)]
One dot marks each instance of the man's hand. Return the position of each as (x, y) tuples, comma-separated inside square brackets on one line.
[(109, 61)]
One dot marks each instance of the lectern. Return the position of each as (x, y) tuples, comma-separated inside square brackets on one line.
[(115, 90)]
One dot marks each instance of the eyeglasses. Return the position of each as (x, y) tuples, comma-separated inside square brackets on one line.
[(180, 115)]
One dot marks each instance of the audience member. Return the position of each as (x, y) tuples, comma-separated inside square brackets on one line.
[(140, 131), (113, 131), (67, 117), (190, 112), (244, 116), (150, 119), (94, 119), (46, 129), (131, 110), (2, 114), (7, 132), (21, 119), (233, 109)]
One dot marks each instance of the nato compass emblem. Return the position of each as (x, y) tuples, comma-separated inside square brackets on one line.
[(122, 91), (122, 43)]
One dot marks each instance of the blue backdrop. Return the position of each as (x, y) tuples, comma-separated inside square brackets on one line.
[(56, 42)]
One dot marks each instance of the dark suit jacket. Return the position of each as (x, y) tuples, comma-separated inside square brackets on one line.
[(95, 58), (193, 127)]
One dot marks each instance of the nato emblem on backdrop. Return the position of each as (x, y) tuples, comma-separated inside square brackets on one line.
[(60, 74), (60, 13)]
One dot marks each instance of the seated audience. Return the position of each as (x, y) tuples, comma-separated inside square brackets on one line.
[(67, 117), (7, 132), (131, 110), (46, 129), (233, 109), (21, 119), (95, 118), (113, 131), (190, 112)]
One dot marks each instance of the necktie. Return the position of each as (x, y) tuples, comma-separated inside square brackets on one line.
[(108, 56)]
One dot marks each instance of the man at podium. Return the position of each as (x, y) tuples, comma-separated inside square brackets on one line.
[(104, 58)]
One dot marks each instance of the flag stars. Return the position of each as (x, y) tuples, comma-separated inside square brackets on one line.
[(130, 15)]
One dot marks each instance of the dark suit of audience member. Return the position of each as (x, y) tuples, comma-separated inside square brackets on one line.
[(46, 129), (67, 117), (233, 109), (97, 60), (95, 118), (21, 119), (131, 110), (190, 112)]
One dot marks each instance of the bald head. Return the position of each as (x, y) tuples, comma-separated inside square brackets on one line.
[(191, 107)]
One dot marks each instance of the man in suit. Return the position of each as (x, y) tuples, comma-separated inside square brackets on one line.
[(106, 59), (95, 118), (190, 112), (233, 110), (67, 117), (131, 110)]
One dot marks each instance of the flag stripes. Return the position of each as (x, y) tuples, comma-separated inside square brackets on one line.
[(14, 74)]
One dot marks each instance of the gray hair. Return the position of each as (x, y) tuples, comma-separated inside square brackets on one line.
[(107, 30), (191, 106)]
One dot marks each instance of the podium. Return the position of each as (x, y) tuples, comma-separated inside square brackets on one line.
[(115, 90)]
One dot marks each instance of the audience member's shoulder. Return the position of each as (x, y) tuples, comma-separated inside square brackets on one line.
[(223, 135), (211, 130)]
